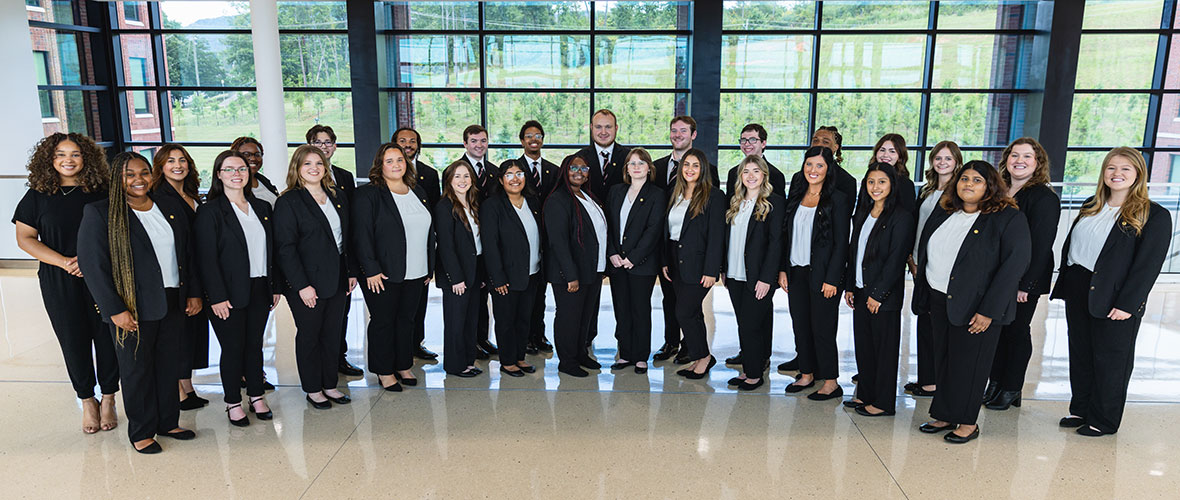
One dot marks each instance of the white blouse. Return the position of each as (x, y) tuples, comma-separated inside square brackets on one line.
[(474, 232), (533, 234), (861, 243), (801, 227), (255, 239), (416, 224), (924, 211), (264, 194), (329, 211), (737, 241), (1089, 236), (947, 240), (163, 243), (599, 220), (676, 218)]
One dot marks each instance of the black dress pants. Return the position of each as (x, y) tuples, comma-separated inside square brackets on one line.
[(195, 342), (459, 322), (571, 322), (344, 329), (878, 344), (317, 335), (1015, 347), (814, 319), (962, 363), (755, 322), (1101, 357), (513, 320), (391, 328), (671, 324), (690, 312), (84, 339), (537, 321), (149, 362), (631, 299), (240, 336), (925, 350)]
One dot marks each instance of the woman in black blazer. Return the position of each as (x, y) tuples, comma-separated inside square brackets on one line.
[(971, 255), (1024, 166), (635, 225), (891, 149), (512, 249), (694, 255), (234, 246), (461, 269), (174, 174), (882, 237), (311, 223), (755, 220), (133, 249), (1111, 259), (815, 232), (393, 234), (575, 259)]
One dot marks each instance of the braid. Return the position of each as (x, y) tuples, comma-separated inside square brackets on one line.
[(119, 240)]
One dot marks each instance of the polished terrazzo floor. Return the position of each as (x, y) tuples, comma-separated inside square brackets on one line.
[(608, 436)]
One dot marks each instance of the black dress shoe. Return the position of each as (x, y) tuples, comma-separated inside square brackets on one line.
[(342, 400), (421, 352), (1069, 422), (860, 410), (621, 364), (747, 386), (795, 388), (920, 392), (481, 354), (856, 378), (544, 345), (190, 403), (666, 352), (410, 381), (1090, 431), (853, 404), (691, 375), (532, 349), (150, 449), (349, 369), (790, 366), (183, 435), (930, 428), (589, 363), (682, 358), (735, 381), (266, 415), (1003, 400), (323, 405), (468, 373), (488, 347), (734, 360), (396, 387), (241, 422), (267, 386), (640, 369), (951, 437), (512, 373), (477, 370), (527, 369), (909, 386), (573, 371), (990, 393), (817, 396)]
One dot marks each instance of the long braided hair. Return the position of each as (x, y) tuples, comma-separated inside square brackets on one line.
[(119, 239), (564, 185)]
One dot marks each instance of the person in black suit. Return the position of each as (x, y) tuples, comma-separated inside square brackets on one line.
[(261, 187), (635, 226), (1110, 261), (755, 220), (694, 255), (575, 259), (682, 130), (311, 227), (882, 238), (812, 271), (753, 142), (891, 149), (409, 141), (605, 156), (1024, 166), (971, 255), (234, 247), (512, 248), (133, 249), (461, 268), (393, 234), (541, 177), (475, 143)]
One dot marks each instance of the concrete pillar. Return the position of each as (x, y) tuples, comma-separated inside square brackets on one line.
[(268, 75)]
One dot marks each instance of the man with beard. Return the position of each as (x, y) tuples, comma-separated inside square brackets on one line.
[(605, 157)]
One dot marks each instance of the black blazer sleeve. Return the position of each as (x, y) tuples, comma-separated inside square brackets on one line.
[(893, 259), (614, 219), (841, 224), (647, 248), (208, 239), (1148, 259), (1013, 261), (716, 234), (364, 221), (445, 228), (94, 260), (491, 232), (1042, 209), (768, 270)]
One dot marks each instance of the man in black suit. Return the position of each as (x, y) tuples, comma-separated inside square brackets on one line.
[(753, 142), (409, 141), (324, 138), (682, 130), (605, 157), (475, 145)]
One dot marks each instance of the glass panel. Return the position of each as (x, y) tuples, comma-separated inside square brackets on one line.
[(537, 15), (138, 71), (787, 161), (1082, 167), (1130, 67), (643, 118), (134, 14), (143, 114), (1168, 134), (855, 161), (547, 61), (986, 14), (778, 15), (428, 15), (1172, 77), (786, 125), (1108, 119), (1165, 168), (863, 118), (438, 158), (436, 61), (60, 54), (871, 61), (878, 15), (137, 56), (641, 61), (439, 117), (196, 15), (302, 110), (562, 115), (766, 61), (967, 61), (53, 11), (209, 60), (313, 15), (213, 116), (315, 60), (973, 119), (555, 155), (1117, 14), (68, 112), (630, 15)]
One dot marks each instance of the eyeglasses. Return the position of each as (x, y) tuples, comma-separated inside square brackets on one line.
[(249, 154), (534, 136), (231, 171), (636, 163), (323, 143), (583, 168), (749, 140), (514, 175)]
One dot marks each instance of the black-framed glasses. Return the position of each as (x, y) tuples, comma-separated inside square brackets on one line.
[(749, 140), (534, 136), (249, 154), (323, 143), (583, 168)]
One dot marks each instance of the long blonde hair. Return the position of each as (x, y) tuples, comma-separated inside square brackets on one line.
[(295, 181), (762, 205), (700, 193), (1137, 207)]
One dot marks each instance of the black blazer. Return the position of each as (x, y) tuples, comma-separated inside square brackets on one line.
[(764, 245), (94, 259), (568, 257), (305, 245), (1127, 266), (505, 244), (428, 181), (845, 183), (829, 251), (487, 180), (890, 242), (645, 228), (907, 195), (344, 180), (661, 165), (1042, 209), (600, 184), (379, 237), (166, 189), (987, 269), (701, 249), (222, 253), (778, 181), (456, 249), (547, 180)]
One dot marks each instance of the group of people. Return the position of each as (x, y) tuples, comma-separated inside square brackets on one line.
[(136, 264)]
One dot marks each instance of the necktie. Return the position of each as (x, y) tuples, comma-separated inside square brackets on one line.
[(605, 160), (672, 171), (536, 174)]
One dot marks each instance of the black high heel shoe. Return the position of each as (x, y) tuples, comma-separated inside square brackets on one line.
[(265, 415), (1003, 400), (691, 375), (410, 381), (242, 422), (990, 393)]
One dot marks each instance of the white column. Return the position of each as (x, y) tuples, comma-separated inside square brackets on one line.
[(21, 126), (268, 75)]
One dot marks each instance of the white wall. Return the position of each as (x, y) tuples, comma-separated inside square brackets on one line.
[(21, 125)]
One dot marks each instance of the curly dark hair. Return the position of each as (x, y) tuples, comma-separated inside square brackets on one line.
[(995, 198), (45, 179)]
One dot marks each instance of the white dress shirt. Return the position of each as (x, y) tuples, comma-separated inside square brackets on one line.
[(946, 242), (737, 241), (163, 243), (1089, 236), (801, 227), (255, 239)]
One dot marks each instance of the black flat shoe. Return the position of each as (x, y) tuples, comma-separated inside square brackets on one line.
[(527, 369), (1070, 422), (267, 386), (951, 437), (691, 375), (190, 403), (182, 435), (817, 396), (682, 358), (544, 345), (735, 381), (150, 449), (481, 354), (396, 387), (853, 404), (922, 393), (266, 415), (589, 364), (575, 371), (930, 428), (348, 369), (342, 400), (666, 352), (856, 378), (468, 373), (532, 349), (734, 360), (795, 388), (909, 386), (789, 366), (990, 393), (860, 410), (1003, 400), (641, 370), (512, 373), (1090, 431), (242, 422), (323, 405), (621, 364), (421, 352), (747, 386), (487, 347)]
